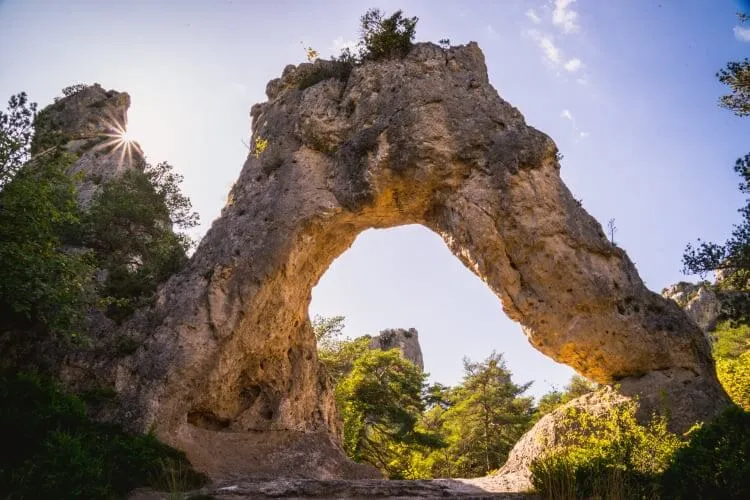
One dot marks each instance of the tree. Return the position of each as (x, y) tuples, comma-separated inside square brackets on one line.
[(487, 416), (734, 255), (16, 132), (736, 75), (381, 403), (336, 354), (385, 37), (130, 227), (327, 330), (611, 229), (45, 282)]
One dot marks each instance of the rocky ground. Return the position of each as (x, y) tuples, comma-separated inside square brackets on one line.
[(486, 487)]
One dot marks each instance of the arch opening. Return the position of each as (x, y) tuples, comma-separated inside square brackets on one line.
[(406, 277)]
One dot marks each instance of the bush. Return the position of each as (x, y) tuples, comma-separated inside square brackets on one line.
[(52, 450), (386, 37), (731, 349), (606, 456), (716, 463), (381, 38), (734, 375)]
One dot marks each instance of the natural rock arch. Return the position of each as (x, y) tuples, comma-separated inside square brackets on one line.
[(423, 140)]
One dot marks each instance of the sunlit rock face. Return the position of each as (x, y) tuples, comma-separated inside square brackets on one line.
[(228, 350), (92, 123), (708, 304), (406, 341)]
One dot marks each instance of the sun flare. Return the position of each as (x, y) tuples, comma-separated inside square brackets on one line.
[(118, 141), (125, 136)]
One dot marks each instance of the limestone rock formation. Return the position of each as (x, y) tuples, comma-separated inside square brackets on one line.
[(406, 341), (91, 122), (698, 301), (708, 304), (227, 353)]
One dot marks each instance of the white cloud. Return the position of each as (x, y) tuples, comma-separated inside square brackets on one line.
[(573, 65), (566, 114), (531, 14), (582, 81), (742, 34), (551, 51), (565, 17)]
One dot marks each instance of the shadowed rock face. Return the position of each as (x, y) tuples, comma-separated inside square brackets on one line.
[(426, 140)]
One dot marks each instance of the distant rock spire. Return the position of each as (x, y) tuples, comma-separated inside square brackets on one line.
[(406, 341)]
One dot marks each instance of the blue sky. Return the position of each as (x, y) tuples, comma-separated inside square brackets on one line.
[(625, 87)]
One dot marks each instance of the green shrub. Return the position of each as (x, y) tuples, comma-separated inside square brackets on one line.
[(731, 349), (50, 449), (381, 38), (606, 456), (716, 463), (386, 37)]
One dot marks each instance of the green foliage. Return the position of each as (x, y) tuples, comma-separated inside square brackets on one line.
[(380, 400), (731, 348), (380, 38), (47, 137), (578, 386), (605, 456), (43, 282), (328, 331), (736, 75), (734, 375), (734, 254), (51, 450), (410, 431), (483, 418), (385, 37), (337, 355), (74, 89), (15, 135), (129, 226), (47, 268), (716, 463), (730, 341)]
